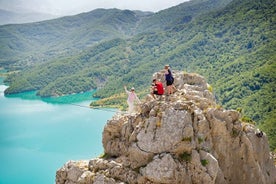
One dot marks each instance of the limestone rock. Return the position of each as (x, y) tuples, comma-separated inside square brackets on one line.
[(162, 169), (185, 139)]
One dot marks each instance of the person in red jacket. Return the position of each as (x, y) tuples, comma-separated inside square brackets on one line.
[(157, 88)]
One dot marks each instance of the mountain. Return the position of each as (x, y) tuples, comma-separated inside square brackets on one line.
[(185, 139), (80, 37), (24, 45), (233, 47), (27, 44), (181, 14), (10, 17), (42, 41)]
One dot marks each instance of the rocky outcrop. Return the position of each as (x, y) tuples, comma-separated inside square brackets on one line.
[(183, 139)]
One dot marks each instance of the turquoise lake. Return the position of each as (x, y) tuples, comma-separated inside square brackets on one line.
[(38, 136)]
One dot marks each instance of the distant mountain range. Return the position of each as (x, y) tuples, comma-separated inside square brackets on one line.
[(42, 41), (231, 43), (10, 17)]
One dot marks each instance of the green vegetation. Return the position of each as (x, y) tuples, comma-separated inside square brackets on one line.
[(269, 126), (247, 120), (26, 44), (235, 132), (105, 156), (188, 139), (200, 140), (210, 88), (233, 47), (204, 162), (187, 157)]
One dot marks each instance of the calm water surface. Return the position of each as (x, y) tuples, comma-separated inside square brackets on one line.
[(38, 136)]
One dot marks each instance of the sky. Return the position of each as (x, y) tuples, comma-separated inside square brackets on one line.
[(71, 7)]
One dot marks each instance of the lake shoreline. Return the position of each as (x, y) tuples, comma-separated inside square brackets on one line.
[(37, 137)]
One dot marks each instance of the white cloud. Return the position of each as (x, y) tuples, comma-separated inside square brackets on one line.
[(69, 7)]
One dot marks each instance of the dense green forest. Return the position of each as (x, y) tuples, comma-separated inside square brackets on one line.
[(233, 45)]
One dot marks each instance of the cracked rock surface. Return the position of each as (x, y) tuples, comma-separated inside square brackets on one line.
[(186, 139)]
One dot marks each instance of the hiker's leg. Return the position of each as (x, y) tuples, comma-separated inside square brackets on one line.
[(159, 97), (130, 107), (170, 89), (174, 88), (152, 94), (167, 90)]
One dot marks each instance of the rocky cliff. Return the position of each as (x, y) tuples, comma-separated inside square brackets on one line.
[(184, 139)]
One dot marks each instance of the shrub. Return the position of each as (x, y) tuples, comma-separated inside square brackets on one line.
[(104, 156), (235, 132), (185, 156), (200, 140), (210, 88), (187, 139), (246, 119), (204, 162)]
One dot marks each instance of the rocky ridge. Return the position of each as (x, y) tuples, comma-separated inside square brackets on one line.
[(186, 139)]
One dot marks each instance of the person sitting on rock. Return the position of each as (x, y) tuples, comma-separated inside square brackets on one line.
[(157, 88)]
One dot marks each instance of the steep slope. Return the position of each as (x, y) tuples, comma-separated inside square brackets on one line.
[(24, 45), (186, 139), (180, 14), (49, 78), (41, 41)]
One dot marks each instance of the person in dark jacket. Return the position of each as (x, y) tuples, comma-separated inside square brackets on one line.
[(169, 79)]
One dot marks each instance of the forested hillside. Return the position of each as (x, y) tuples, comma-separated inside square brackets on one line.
[(181, 14), (23, 45), (233, 47)]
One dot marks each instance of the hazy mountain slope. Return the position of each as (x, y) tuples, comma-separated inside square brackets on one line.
[(41, 41), (10, 17), (180, 14)]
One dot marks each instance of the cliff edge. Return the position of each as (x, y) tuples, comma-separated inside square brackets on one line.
[(186, 139)]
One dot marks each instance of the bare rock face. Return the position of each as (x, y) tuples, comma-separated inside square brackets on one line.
[(185, 139)]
